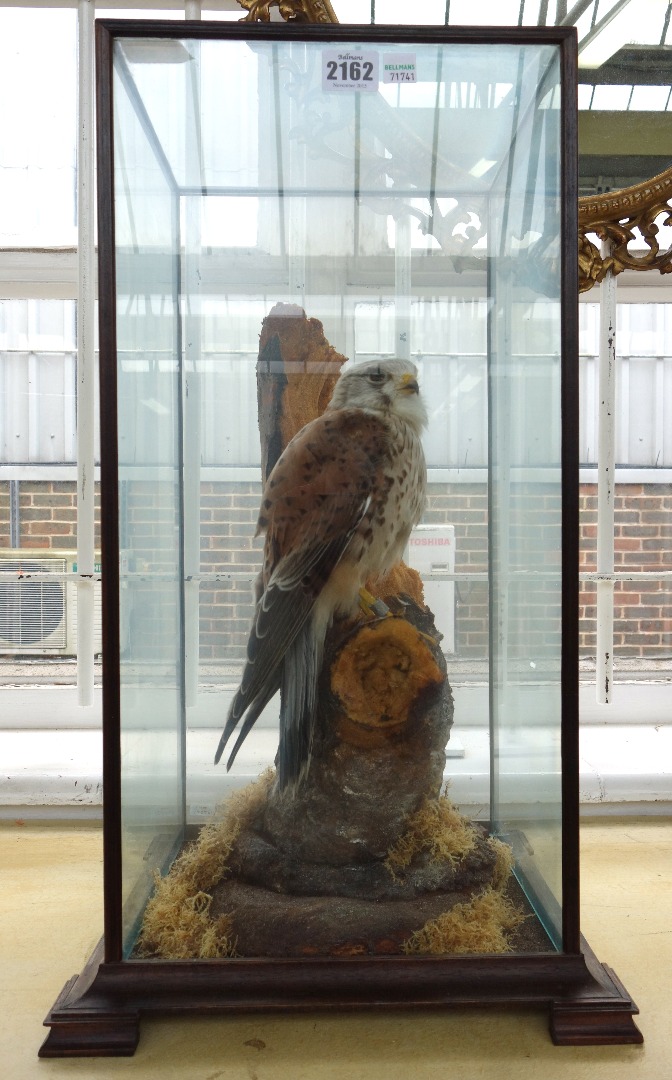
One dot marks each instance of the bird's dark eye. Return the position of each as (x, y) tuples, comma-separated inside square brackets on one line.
[(377, 377)]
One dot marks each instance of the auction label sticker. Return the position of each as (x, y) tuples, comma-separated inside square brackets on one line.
[(399, 68), (349, 70)]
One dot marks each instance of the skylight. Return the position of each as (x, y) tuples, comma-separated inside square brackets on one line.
[(625, 98)]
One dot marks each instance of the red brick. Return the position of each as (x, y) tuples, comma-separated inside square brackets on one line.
[(624, 543)]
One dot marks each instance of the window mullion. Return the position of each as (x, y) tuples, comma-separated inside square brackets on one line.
[(606, 461), (85, 355)]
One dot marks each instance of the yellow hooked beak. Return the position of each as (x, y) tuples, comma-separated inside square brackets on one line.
[(409, 384)]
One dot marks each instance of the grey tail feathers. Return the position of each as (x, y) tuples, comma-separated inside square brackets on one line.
[(297, 681), (298, 702), (251, 712)]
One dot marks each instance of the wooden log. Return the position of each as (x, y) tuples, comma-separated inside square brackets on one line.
[(297, 371), (384, 716)]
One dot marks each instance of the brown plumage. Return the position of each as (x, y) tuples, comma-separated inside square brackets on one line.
[(337, 510)]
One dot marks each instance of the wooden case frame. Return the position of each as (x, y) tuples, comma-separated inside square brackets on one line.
[(99, 1011)]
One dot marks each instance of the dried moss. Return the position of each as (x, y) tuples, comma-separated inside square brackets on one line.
[(177, 924), (503, 865), (437, 828), (480, 925)]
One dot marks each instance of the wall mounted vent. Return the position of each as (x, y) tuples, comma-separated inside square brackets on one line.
[(38, 614)]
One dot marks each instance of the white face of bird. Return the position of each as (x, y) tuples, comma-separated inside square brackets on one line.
[(382, 386)]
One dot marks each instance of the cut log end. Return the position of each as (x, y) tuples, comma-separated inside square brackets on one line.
[(379, 674)]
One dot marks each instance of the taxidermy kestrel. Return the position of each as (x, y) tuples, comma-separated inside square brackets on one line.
[(337, 510)]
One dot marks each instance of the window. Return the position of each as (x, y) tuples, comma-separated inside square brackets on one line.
[(39, 411)]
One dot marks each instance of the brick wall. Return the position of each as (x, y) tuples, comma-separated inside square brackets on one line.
[(643, 540), (466, 507), (149, 605), (228, 520), (47, 515)]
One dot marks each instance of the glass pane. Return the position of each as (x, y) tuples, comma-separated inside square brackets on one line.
[(323, 219), (38, 371), (38, 88), (525, 500), (149, 411)]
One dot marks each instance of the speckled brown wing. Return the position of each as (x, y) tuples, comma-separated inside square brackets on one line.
[(318, 491), (317, 495)]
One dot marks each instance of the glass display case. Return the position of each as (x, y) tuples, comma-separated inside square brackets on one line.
[(304, 233)]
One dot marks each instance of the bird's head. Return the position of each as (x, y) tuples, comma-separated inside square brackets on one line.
[(383, 386)]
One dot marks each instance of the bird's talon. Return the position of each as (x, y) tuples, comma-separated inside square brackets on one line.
[(373, 606)]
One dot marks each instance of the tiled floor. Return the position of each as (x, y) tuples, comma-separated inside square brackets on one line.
[(50, 919)]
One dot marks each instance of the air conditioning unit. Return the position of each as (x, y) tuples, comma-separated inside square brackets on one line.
[(38, 615), (431, 549)]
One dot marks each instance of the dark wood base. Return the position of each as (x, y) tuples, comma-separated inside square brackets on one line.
[(599, 1020), (572, 1026), (85, 1025), (98, 1013)]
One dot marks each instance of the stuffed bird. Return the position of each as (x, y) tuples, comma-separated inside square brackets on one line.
[(337, 511)]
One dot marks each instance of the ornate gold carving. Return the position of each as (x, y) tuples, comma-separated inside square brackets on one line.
[(302, 11), (615, 217)]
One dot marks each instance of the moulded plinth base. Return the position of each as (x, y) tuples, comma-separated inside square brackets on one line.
[(116, 1035), (600, 1022), (98, 1013), (572, 1026), (105, 1029)]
